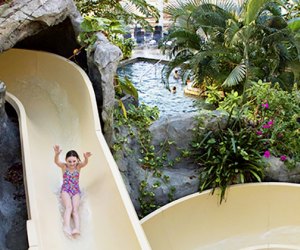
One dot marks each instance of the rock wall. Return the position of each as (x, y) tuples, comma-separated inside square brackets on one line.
[(13, 212), (44, 25), (183, 175), (23, 18), (103, 60)]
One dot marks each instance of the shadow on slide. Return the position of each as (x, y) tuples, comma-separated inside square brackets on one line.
[(56, 105)]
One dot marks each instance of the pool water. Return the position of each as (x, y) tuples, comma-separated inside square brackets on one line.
[(146, 77)]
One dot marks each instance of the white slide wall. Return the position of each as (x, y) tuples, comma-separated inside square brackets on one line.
[(56, 105)]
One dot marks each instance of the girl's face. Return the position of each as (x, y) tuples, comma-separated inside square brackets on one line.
[(72, 161)]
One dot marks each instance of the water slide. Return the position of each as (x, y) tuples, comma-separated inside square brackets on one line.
[(256, 216), (56, 105)]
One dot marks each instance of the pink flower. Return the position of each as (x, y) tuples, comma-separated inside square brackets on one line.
[(271, 122), (265, 105), (267, 154), (283, 158), (266, 126), (259, 132)]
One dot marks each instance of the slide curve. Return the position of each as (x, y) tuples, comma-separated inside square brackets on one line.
[(55, 103)]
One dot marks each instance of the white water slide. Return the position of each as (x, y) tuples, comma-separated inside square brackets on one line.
[(56, 105)]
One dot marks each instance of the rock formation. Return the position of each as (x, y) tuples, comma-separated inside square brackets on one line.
[(183, 175), (53, 26)]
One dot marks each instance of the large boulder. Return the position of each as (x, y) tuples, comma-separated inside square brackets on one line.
[(13, 213), (23, 18), (9, 139), (103, 60), (277, 170), (53, 26), (183, 175)]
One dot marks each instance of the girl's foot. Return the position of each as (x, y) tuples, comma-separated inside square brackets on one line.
[(67, 230), (75, 232)]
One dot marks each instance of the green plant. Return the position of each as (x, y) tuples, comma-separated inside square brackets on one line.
[(153, 160), (115, 9), (231, 101), (232, 42), (126, 45), (275, 114), (213, 95), (228, 156), (91, 25), (147, 197), (124, 86)]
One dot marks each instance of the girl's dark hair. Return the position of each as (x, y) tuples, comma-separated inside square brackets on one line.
[(72, 153)]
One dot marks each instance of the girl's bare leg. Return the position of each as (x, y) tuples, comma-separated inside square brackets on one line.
[(75, 213), (67, 202)]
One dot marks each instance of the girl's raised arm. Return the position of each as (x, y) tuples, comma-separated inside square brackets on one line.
[(57, 152), (86, 157)]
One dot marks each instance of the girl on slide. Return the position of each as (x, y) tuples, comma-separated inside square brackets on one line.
[(70, 191)]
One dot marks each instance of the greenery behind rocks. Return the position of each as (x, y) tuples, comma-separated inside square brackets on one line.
[(267, 125), (152, 160), (226, 48)]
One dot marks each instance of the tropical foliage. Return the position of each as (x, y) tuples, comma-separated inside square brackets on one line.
[(118, 10), (112, 18), (113, 29), (268, 124), (230, 44), (228, 155)]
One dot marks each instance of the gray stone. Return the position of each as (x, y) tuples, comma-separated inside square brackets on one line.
[(103, 60), (9, 139), (9, 208), (183, 175), (21, 19), (2, 101), (278, 171), (24, 18)]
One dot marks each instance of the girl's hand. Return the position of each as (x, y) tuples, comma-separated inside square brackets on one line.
[(86, 155), (57, 149)]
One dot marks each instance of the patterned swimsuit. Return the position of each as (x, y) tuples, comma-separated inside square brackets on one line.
[(71, 182)]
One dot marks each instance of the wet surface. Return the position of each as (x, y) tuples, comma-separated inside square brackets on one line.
[(146, 77)]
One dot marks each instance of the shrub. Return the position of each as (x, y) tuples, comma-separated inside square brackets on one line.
[(275, 115), (228, 156)]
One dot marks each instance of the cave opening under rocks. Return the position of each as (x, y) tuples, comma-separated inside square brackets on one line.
[(59, 39)]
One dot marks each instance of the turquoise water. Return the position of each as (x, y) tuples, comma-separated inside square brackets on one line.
[(146, 77)]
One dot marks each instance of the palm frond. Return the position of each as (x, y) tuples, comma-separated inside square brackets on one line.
[(252, 10), (236, 76), (180, 59), (179, 8), (231, 34), (210, 15), (294, 24), (185, 38)]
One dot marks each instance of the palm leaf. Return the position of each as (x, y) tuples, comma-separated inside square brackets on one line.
[(294, 24), (253, 9), (236, 76), (185, 38), (211, 15), (177, 61), (180, 8)]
